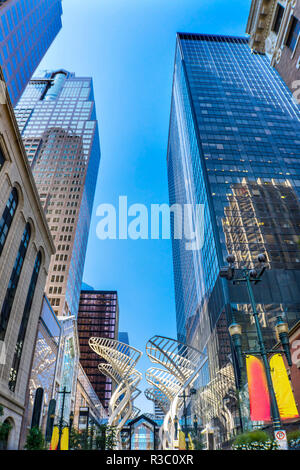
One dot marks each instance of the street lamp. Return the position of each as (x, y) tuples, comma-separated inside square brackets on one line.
[(61, 421), (195, 422), (193, 391), (235, 330), (282, 330), (176, 426), (71, 420)]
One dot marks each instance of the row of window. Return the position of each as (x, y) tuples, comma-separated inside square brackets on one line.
[(5, 224), (294, 29)]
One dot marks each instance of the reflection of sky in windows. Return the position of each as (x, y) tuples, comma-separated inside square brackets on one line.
[(43, 369), (242, 131)]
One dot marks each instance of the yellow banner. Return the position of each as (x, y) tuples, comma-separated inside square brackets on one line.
[(55, 438), (282, 387), (182, 444), (64, 444)]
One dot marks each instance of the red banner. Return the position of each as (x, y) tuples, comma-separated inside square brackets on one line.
[(260, 409)]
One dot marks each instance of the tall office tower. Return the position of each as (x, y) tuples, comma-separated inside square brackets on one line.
[(233, 147), (27, 29), (158, 412), (123, 337), (98, 316), (57, 119)]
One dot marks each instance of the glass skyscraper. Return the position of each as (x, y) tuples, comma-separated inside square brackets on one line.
[(57, 119), (234, 147), (27, 29)]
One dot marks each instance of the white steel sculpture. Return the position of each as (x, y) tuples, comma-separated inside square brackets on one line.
[(214, 397), (182, 364), (121, 360), (159, 398)]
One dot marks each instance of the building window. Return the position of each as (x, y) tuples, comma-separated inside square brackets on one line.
[(13, 282), (7, 217), (278, 18), (293, 34), (2, 159), (23, 327)]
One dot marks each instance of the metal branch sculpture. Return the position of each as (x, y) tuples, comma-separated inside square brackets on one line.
[(182, 364), (120, 367), (158, 397)]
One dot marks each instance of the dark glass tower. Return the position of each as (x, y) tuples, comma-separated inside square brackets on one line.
[(98, 316), (234, 146), (27, 29)]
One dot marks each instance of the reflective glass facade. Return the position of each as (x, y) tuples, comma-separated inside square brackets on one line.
[(234, 146), (142, 436), (44, 362), (27, 29), (98, 316)]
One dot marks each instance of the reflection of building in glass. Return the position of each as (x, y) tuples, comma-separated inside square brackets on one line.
[(233, 127), (141, 433), (123, 337), (216, 402), (142, 437), (27, 29), (43, 365), (52, 369), (98, 316), (263, 218), (87, 400), (158, 411)]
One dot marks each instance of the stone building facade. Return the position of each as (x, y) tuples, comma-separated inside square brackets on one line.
[(274, 27), (26, 247)]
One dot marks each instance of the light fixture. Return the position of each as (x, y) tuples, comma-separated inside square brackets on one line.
[(176, 426), (195, 422), (282, 331), (235, 331)]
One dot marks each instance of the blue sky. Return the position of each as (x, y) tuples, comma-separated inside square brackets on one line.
[(128, 47)]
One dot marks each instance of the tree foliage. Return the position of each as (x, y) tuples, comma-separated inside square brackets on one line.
[(106, 437), (35, 439), (254, 440)]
